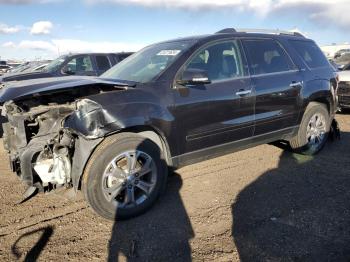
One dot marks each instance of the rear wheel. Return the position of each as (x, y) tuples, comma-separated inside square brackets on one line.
[(313, 131), (124, 176)]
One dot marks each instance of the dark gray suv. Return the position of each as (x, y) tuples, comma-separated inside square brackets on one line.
[(170, 104)]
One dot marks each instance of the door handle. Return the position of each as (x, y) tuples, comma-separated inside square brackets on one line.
[(296, 84), (243, 92)]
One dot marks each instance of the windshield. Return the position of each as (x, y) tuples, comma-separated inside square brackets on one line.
[(20, 68), (54, 65), (148, 63)]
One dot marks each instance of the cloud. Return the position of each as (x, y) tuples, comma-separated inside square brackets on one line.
[(317, 11), (5, 29), (194, 4), (9, 45), (75, 46), (37, 45), (41, 28), (57, 47), (24, 2)]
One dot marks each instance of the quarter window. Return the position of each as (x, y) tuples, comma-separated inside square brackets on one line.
[(221, 61), (266, 56), (310, 53)]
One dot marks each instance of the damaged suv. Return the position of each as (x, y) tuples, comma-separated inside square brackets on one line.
[(171, 104)]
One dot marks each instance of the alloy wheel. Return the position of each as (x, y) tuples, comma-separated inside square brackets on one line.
[(129, 179)]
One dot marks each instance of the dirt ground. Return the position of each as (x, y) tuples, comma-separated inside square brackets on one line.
[(261, 204)]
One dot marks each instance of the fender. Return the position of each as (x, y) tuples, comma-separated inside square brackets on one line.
[(102, 115), (321, 91), (94, 118)]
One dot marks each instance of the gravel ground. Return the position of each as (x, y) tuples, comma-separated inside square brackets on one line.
[(260, 204)]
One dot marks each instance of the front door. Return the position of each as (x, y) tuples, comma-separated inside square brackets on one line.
[(209, 115), (79, 65)]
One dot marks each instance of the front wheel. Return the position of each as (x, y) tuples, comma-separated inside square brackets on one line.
[(124, 176), (313, 131)]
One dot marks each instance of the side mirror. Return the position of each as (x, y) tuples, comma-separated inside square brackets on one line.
[(192, 76)]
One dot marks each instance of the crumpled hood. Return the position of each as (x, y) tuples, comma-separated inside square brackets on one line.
[(22, 89), (24, 76)]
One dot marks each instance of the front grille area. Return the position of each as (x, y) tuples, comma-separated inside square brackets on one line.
[(344, 94), (344, 88), (344, 100)]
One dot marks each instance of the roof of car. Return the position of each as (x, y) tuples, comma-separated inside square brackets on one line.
[(93, 53), (230, 32)]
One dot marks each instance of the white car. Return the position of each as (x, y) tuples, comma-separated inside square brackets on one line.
[(344, 89), (4, 69)]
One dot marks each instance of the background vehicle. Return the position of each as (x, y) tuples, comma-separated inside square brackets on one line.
[(4, 69), (334, 65), (346, 67), (38, 68), (28, 66), (344, 90), (341, 52), (92, 64), (170, 104), (342, 60)]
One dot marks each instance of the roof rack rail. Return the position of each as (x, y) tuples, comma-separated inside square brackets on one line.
[(269, 31), (226, 31), (263, 31)]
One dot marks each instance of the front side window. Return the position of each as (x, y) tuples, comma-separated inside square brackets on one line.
[(148, 63), (266, 56), (79, 64), (221, 61)]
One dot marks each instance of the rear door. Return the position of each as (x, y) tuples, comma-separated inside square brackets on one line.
[(277, 83), (222, 111)]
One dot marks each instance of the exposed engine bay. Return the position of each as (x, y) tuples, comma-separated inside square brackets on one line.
[(36, 144), (45, 154)]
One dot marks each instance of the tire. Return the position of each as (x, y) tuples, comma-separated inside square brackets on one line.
[(309, 139), (124, 176)]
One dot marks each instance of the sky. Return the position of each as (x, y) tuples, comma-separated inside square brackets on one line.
[(45, 29)]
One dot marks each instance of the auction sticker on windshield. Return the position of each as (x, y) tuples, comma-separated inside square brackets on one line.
[(169, 52)]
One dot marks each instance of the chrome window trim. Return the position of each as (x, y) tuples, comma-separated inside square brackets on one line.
[(276, 73)]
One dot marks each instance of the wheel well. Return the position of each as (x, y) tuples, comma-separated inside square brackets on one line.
[(323, 100), (144, 131), (155, 137)]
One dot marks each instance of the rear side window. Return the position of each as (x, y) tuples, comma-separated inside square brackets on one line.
[(102, 63), (310, 53), (266, 56)]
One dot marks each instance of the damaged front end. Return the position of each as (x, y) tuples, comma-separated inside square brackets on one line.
[(48, 145), (39, 150)]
